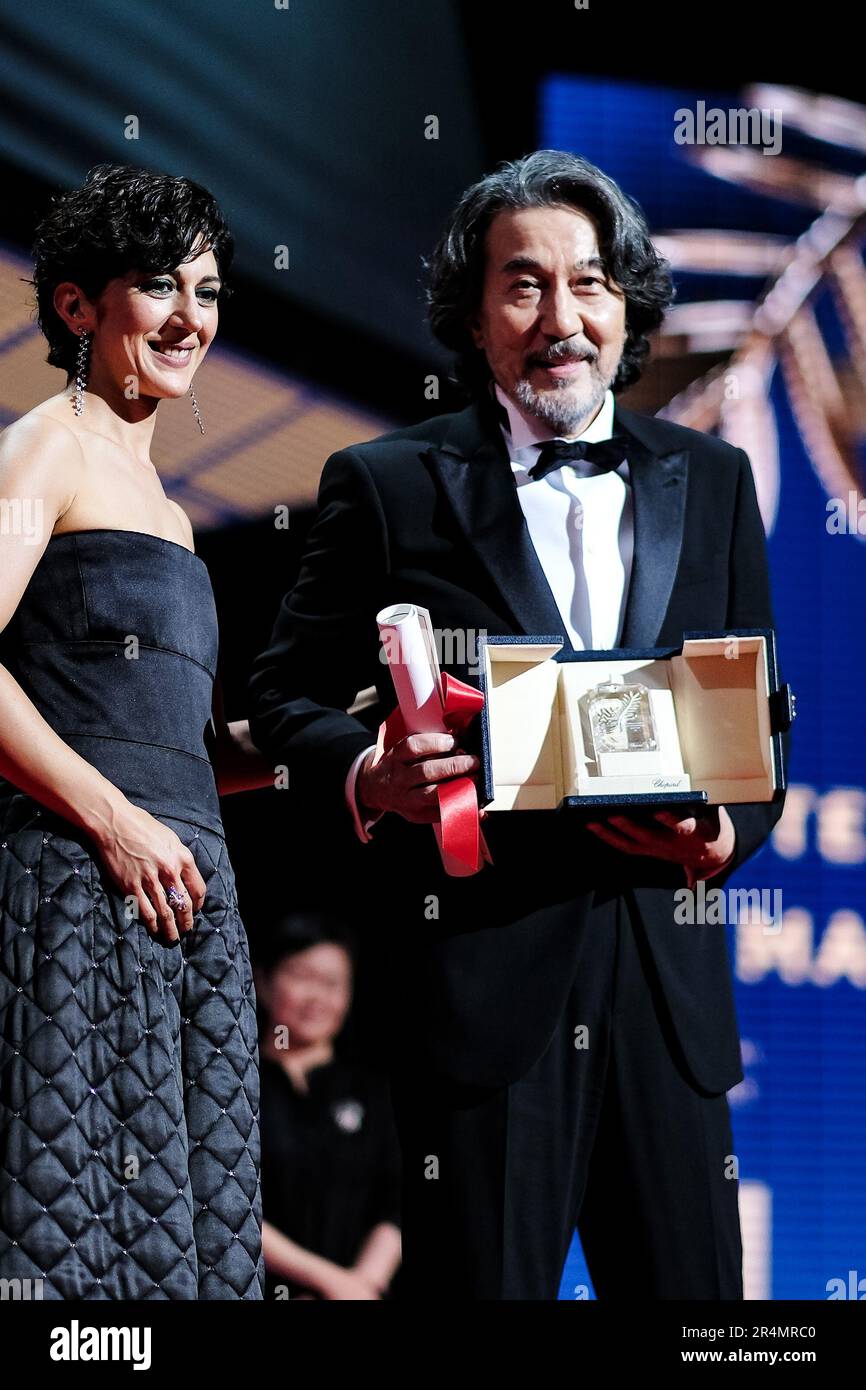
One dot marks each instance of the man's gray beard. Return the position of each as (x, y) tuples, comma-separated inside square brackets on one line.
[(560, 409)]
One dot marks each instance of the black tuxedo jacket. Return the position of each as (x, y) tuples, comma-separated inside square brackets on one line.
[(475, 971)]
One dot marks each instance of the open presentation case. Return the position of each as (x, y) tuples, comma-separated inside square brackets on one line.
[(697, 724)]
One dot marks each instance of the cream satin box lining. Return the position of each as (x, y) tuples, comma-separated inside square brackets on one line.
[(533, 741)]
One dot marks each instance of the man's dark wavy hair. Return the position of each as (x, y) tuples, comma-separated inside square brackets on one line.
[(120, 219), (547, 178)]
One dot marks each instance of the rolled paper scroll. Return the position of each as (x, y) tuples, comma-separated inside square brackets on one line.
[(428, 702), (407, 637)]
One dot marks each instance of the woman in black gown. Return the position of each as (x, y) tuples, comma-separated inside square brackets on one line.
[(129, 1139)]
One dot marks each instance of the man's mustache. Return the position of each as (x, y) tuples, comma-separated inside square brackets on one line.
[(562, 352)]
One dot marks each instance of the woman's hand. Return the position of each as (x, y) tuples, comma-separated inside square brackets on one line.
[(145, 859), (337, 1283)]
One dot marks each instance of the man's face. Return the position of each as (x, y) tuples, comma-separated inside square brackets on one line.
[(551, 324)]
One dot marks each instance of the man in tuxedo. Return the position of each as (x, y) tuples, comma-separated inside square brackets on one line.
[(559, 1045)]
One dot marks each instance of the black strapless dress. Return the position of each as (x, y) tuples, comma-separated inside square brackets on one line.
[(129, 1088)]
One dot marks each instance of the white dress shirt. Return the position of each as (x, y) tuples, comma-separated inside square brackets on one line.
[(581, 523)]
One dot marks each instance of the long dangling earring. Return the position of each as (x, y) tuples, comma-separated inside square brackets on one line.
[(81, 368), (196, 410)]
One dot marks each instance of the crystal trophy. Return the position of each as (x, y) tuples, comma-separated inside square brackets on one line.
[(617, 718)]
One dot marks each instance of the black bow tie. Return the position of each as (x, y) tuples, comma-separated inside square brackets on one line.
[(606, 454)]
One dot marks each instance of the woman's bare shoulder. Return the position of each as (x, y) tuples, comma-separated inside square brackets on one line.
[(44, 423), (184, 521), (40, 454)]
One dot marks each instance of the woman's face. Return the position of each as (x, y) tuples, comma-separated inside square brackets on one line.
[(310, 992), (151, 331)]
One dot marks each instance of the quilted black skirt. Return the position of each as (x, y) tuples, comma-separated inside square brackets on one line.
[(129, 1089)]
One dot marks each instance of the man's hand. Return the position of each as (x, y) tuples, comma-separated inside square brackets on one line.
[(702, 844), (405, 778)]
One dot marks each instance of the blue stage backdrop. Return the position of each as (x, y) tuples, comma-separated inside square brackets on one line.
[(799, 1117)]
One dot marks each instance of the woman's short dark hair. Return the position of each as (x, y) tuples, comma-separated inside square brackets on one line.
[(547, 178), (120, 219), (298, 931)]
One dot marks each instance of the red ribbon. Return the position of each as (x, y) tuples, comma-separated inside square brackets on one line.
[(458, 831)]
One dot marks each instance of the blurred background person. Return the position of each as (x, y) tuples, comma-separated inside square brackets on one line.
[(330, 1155)]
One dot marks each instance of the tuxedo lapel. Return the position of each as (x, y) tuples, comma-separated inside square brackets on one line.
[(658, 479), (475, 474), (474, 471)]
